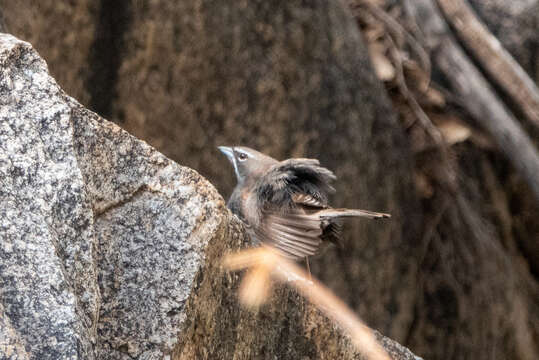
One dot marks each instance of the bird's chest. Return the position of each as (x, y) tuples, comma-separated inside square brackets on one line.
[(242, 202), (249, 208), (234, 203)]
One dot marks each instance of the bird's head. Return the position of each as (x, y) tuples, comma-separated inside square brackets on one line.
[(248, 164)]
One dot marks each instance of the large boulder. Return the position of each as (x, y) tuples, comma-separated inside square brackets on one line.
[(111, 251), (102, 236)]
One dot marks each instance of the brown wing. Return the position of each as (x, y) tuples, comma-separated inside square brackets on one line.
[(289, 208), (295, 233), (280, 186), (299, 232), (331, 213), (282, 206)]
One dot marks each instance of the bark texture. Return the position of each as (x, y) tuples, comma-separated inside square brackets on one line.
[(501, 67), (475, 243)]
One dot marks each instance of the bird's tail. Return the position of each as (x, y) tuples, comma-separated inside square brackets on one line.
[(339, 213)]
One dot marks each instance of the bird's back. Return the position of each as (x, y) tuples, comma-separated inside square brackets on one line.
[(282, 206)]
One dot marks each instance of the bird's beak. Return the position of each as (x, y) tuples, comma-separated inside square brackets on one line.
[(228, 151)]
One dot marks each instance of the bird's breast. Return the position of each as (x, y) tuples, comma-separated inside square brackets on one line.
[(249, 208)]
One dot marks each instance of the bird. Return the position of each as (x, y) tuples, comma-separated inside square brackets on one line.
[(285, 203)]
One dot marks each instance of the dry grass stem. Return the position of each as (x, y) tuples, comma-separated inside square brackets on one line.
[(264, 263)]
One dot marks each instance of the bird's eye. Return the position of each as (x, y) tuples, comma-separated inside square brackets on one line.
[(242, 156)]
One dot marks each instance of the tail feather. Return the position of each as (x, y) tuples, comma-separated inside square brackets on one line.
[(338, 213)]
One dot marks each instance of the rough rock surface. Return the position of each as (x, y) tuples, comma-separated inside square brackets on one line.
[(111, 251), (101, 235)]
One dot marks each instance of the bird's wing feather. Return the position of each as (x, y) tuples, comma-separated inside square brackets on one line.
[(307, 200), (299, 232), (339, 213), (296, 234), (291, 200), (294, 176), (287, 197)]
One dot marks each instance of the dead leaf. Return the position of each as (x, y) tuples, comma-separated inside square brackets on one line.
[(423, 185), (382, 66), (482, 141), (454, 131), (416, 77), (434, 98)]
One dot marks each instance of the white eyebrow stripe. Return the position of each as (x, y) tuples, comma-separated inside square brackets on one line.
[(236, 168)]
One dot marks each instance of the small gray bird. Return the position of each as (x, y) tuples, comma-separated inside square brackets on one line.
[(285, 203)]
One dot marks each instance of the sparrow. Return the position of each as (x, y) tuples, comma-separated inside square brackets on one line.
[(285, 203)]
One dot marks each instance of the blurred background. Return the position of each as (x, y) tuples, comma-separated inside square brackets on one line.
[(427, 109)]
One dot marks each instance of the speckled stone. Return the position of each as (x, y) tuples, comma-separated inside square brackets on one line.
[(109, 250), (48, 278), (102, 236)]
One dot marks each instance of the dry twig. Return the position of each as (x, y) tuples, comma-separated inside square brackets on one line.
[(499, 64), (477, 96), (394, 32), (264, 262)]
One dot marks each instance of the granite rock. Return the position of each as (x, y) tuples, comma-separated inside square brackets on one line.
[(109, 250), (101, 234)]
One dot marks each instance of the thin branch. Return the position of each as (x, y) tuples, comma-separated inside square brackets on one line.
[(423, 118), (395, 30), (476, 94), (398, 30), (499, 64)]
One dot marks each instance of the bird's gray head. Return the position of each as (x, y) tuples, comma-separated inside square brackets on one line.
[(248, 164)]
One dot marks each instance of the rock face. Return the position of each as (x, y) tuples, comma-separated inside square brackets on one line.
[(101, 235), (111, 251), (49, 280)]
